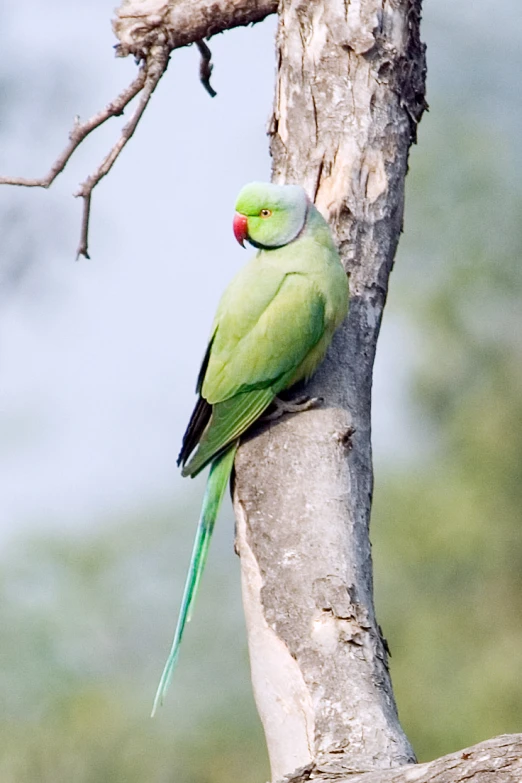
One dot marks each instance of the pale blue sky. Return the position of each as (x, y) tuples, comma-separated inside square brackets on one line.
[(98, 358)]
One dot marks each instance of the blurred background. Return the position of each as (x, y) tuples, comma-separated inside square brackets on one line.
[(97, 366)]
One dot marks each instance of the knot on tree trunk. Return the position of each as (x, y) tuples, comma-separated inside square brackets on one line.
[(141, 24)]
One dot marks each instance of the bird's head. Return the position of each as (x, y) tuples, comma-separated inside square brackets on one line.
[(268, 215)]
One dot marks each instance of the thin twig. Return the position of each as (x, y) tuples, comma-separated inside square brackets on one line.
[(78, 134), (155, 67), (83, 247), (205, 67), (152, 50), (147, 79)]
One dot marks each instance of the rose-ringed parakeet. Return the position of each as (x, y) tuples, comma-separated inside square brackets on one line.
[(272, 328)]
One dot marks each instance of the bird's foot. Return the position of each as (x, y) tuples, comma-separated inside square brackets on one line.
[(297, 405)]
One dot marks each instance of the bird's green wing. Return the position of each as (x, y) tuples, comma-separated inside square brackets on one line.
[(248, 355), (228, 421), (244, 373)]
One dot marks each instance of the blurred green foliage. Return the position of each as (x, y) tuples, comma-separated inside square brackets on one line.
[(85, 625), (447, 530)]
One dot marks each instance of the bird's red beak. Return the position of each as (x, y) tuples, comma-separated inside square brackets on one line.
[(240, 228)]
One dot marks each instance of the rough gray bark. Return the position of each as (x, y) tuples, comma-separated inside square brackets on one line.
[(140, 24), (350, 90), (498, 760)]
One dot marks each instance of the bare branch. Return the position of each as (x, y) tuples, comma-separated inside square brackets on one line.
[(83, 247), (497, 760), (141, 23), (150, 32), (79, 132), (205, 68), (155, 67)]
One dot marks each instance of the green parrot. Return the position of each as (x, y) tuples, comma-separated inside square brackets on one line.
[(272, 328)]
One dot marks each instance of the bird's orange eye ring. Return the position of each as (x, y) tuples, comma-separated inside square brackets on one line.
[(265, 213)]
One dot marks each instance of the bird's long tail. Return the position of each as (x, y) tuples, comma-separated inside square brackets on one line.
[(215, 489)]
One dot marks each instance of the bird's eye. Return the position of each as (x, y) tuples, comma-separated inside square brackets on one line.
[(265, 213)]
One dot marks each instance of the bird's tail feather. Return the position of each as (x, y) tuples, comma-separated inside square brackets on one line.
[(215, 489)]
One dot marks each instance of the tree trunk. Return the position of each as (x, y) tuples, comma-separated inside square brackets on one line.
[(350, 90)]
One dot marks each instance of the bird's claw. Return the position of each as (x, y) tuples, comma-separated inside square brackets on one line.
[(297, 405)]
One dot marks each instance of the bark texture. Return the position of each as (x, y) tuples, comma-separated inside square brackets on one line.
[(498, 760), (140, 24), (350, 91)]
